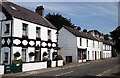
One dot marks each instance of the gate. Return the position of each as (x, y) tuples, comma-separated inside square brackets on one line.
[(14, 68), (48, 63)]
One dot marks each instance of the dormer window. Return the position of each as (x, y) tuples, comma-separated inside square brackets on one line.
[(7, 28), (13, 7)]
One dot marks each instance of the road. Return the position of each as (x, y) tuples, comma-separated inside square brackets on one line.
[(108, 67), (101, 68)]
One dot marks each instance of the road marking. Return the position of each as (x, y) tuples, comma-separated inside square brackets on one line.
[(101, 74), (64, 73), (59, 74)]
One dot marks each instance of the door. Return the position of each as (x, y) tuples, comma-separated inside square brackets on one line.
[(24, 54), (68, 59), (95, 55), (37, 54)]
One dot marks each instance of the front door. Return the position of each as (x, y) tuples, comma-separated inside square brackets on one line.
[(68, 59), (95, 55), (37, 54)]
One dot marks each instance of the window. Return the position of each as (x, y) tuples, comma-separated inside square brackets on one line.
[(24, 29), (38, 32), (98, 44), (6, 56), (49, 34), (13, 7), (87, 42), (7, 28), (24, 54), (48, 53), (80, 42)]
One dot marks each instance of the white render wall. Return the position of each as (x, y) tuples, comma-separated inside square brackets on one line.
[(68, 42), (2, 16), (60, 62), (19, 49), (1, 69), (33, 66), (17, 30)]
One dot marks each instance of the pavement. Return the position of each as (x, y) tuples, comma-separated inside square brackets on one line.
[(98, 68)]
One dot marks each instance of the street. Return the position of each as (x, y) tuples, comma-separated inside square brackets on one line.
[(101, 68)]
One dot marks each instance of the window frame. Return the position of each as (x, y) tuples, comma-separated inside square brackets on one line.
[(7, 31), (25, 29)]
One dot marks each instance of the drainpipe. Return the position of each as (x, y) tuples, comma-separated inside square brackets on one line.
[(11, 41), (0, 39)]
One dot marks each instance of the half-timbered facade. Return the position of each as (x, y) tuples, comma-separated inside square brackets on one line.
[(25, 31)]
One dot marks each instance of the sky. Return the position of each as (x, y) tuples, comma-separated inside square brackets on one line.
[(101, 16)]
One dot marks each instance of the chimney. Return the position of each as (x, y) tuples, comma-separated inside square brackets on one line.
[(85, 30), (40, 10), (79, 29)]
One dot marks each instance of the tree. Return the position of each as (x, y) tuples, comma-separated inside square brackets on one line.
[(106, 37), (115, 34), (58, 20)]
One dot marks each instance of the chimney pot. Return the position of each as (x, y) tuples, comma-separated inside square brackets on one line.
[(85, 30), (79, 29), (40, 10)]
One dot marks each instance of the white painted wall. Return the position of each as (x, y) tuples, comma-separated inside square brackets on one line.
[(1, 69), (2, 16), (60, 62), (53, 64), (17, 30), (33, 66), (68, 42)]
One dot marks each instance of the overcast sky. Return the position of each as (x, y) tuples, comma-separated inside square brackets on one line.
[(102, 16)]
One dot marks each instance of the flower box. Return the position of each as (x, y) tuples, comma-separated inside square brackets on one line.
[(49, 40), (25, 36), (57, 48), (38, 38)]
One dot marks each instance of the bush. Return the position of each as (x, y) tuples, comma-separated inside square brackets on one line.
[(17, 54), (64, 62), (58, 57), (31, 54), (114, 54), (16, 61), (45, 58), (45, 54)]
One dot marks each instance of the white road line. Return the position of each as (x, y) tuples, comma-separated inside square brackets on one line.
[(59, 74), (64, 73)]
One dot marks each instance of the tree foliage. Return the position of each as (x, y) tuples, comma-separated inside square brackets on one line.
[(58, 20), (115, 34)]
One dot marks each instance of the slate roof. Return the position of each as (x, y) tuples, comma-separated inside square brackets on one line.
[(80, 34), (87, 35), (25, 14)]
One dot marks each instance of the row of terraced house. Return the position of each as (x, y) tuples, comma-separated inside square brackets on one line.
[(26, 32)]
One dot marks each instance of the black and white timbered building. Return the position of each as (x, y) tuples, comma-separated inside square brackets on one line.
[(25, 31)]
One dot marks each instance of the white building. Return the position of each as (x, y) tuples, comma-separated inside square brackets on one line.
[(78, 46), (25, 31)]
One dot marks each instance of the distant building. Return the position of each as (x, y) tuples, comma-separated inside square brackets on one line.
[(80, 46)]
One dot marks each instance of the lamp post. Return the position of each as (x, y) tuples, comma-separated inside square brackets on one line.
[(57, 50)]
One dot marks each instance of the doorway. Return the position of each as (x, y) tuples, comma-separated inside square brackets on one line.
[(68, 59), (37, 54), (95, 55)]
